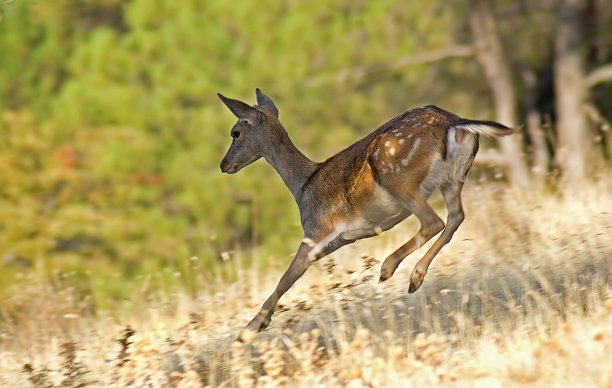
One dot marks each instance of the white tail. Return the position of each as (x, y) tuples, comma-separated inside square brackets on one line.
[(487, 128), (369, 187)]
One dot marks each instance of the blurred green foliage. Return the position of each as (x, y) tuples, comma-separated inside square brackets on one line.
[(111, 131)]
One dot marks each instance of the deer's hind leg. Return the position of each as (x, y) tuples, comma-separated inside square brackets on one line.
[(400, 171), (431, 225), (452, 197)]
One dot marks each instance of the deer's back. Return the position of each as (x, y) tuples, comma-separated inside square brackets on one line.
[(353, 186)]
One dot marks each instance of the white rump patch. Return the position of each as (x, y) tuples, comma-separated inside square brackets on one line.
[(460, 155)]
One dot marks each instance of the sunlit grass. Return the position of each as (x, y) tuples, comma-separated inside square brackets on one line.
[(520, 296)]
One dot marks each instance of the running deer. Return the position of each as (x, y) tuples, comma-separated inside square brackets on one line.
[(367, 188)]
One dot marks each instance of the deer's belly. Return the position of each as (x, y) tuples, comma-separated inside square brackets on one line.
[(383, 213)]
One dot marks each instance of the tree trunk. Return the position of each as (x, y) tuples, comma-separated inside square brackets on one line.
[(492, 57), (571, 91), (540, 158)]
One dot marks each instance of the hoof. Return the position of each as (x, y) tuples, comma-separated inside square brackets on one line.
[(415, 282), (385, 274), (414, 286), (416, 279), (246, 336), (257, 324)]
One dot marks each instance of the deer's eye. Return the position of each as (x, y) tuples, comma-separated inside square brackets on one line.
[(235, 134)]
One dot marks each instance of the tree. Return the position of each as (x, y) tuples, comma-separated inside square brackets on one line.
[(497, 66), (570, 90), (576, 22)]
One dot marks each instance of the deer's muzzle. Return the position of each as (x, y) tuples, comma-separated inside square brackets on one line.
[(227, 167)]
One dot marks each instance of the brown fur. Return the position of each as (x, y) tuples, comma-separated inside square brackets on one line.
[(368, 187), (354, 170)]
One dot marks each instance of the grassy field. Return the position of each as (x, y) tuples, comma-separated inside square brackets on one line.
[(520, 297)]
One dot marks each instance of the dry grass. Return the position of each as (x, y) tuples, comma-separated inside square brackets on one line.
[(521, 296)]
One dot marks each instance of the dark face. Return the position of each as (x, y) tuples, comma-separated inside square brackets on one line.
[(249, 133), (244, 149)]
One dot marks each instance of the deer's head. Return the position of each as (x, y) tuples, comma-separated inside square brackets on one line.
[(253, 134)]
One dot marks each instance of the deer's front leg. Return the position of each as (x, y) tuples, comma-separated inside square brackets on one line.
[(303, 258)]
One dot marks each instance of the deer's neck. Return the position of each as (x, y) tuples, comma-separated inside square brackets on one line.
[(291, 164)]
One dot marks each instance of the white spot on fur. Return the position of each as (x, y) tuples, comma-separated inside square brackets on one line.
[(376, 153), (398, 134), (401, 141), (415, 146), (309, 242), (387, 143), (392, 151), (318, 247)]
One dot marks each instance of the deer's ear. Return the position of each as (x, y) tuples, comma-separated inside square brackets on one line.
[(238, 108), (265, 102)]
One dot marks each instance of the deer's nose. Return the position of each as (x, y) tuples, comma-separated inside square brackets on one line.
[(227, 167), (224, 165)]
